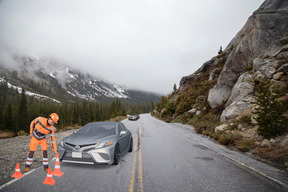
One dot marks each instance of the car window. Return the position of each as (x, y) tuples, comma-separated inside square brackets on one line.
[(120, 128), (123, 127), (94, 128)]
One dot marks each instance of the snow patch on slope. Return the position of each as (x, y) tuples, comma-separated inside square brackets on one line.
[(28, 93)]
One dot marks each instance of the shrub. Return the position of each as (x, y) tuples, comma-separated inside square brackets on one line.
[(275, 153), (199, 87), (248, 68), (225, 139), (270, 112), (205, 122), (245, 144), (6, 134), (233, 126), (228, 139), (246, 119)]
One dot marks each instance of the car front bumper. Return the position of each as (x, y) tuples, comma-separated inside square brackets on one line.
[(103, 155)]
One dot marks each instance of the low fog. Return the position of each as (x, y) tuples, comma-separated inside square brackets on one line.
[(146, 45)]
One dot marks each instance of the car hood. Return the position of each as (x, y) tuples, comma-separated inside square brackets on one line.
[(87, 139)]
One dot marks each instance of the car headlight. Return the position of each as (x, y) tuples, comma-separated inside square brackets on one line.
[(104, 144), (62, 144)]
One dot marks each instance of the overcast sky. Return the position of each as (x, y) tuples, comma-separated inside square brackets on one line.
[(143, 44)]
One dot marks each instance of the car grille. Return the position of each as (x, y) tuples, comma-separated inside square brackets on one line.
[(85, 157), (80, 147)]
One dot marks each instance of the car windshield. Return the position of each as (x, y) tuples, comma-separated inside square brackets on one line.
[(94, 128)]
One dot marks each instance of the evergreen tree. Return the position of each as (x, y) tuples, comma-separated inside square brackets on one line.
[(22, 116), (91, 112), (2, 122), (80, 121), (9, 121), (220, 51), (270, 112), (152, 106), (174, 87), (71, 112)]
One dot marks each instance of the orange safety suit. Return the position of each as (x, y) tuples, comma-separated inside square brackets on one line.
[(39, 128)]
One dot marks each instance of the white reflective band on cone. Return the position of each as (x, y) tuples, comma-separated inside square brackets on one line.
[(57, 166), (17, 169), (49, 175), (28, 163), (45, 163), (57, 159)]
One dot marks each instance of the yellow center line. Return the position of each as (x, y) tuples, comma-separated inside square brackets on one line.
[(132, 180), (140, 172)]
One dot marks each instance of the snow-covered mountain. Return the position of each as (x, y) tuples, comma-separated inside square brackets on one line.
[(54, 79)]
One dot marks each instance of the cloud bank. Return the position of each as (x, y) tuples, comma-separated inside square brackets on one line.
[(147, 45)]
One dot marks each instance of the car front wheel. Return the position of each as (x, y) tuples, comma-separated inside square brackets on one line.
[(131, 145), (117, 155)]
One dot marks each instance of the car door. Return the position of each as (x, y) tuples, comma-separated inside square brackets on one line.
[(128, 136), (123, 140)]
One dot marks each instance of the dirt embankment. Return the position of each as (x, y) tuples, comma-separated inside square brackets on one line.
[(14, 150)]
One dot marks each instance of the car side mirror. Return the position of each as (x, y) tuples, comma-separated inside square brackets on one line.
[(123, 133)]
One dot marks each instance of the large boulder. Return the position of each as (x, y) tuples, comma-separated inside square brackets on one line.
[(243, 89), (241, 97), (234, 110), (218, 95)]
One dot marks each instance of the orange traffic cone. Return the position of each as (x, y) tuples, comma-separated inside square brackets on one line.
[(17, 173), (49, 179), (57, 172)]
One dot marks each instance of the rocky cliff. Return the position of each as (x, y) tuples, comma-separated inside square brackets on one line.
[(261, 46), (219, 98)]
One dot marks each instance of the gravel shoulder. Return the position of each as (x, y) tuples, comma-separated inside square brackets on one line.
[(14, 150)]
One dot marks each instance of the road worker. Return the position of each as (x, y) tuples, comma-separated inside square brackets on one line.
[(39, 128)]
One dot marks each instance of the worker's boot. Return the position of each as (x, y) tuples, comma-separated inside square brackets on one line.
[(46, 170), (27, 169)]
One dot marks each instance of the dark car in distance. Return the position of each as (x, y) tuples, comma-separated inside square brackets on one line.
[(134, 116)]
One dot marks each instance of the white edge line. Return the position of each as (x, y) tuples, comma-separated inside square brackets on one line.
[(15, 179), (249, 167)]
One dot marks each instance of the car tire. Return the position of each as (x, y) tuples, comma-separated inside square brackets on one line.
[(131, 145), (117, 155)]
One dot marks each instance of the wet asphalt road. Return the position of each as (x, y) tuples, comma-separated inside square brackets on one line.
[(166, 157)]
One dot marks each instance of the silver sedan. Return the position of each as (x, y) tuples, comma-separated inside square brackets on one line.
[(97, 142)]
